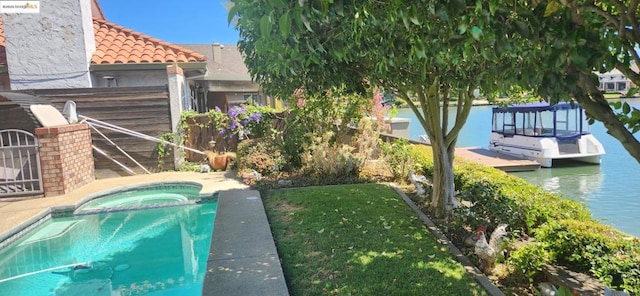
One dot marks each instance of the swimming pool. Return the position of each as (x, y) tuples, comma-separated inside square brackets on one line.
[(154, 243)]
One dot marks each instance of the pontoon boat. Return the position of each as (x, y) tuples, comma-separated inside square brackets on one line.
[(543, 132)]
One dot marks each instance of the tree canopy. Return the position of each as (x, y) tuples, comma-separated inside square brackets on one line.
[(437, 51), (576, 38), (429, 51)]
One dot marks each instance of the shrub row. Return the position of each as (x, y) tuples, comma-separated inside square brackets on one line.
[(322, 162), (564, 231)]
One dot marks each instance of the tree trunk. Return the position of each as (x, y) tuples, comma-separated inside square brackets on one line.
[(443, 185), (443, 140)]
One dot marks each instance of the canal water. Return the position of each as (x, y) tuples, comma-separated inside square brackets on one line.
[(610, 190)]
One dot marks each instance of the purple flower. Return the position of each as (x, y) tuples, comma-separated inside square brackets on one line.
[(256, 116), (245, 122), (233, 112), (233, 125), (217, 109), (223, 131)]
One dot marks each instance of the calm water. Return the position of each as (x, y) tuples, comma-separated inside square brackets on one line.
[(611, 190)]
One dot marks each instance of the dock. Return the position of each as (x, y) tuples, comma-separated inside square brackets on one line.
[(496, 160)]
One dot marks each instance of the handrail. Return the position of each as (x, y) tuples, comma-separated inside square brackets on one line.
[(135, 134)]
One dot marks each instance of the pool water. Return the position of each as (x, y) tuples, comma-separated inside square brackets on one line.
[(141, 196), (158, 251)]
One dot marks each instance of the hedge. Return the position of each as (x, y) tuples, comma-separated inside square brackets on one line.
[(564, 229)]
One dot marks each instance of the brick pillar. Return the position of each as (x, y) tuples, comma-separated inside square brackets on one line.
[(66, 158)]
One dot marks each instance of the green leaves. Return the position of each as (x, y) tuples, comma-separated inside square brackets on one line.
[(626, 108), (414, 19), (633, 91), (265, 26), (462, 28), (580, 61), (285, 25), (552, 7), (629, 116), (476, 32), (232, 12)]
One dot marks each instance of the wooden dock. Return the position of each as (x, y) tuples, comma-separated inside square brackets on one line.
[(496, 160)]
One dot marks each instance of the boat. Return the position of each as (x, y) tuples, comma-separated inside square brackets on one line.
[(544, 133), (425, 139)]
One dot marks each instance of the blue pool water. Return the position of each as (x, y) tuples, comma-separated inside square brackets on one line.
[(157, 251)]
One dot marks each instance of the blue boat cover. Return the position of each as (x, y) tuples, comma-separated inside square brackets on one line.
[(536, 107)]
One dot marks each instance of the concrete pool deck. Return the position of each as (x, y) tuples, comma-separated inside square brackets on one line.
[(243, 259), (246, 262)]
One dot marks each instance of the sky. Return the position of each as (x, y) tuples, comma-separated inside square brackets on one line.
[(178, 22)]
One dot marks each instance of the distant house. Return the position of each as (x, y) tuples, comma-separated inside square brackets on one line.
[(228, 81), (615, 82)]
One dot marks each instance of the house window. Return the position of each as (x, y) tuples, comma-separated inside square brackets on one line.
[(610, 86), (622, 86), (250, 98)]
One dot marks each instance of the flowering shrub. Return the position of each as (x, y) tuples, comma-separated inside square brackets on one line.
[(241, 121), (260, 155), (335, 162), (378, 111), (317, 114)]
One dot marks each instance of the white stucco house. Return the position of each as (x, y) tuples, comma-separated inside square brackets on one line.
[(70, 44), (615, 81)]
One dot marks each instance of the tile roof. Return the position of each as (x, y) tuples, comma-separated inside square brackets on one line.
[(96, 10), (118, 45), (3, 52)]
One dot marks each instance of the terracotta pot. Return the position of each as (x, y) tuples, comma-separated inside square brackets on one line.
[(219, 162)]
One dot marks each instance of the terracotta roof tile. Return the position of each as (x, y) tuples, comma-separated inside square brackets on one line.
[(3, 52), (118, 45), (122, 45)]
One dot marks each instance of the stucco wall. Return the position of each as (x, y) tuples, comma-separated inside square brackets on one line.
[(232, 86), (130, 78), (50, 49), (177, 84), (239, 98)]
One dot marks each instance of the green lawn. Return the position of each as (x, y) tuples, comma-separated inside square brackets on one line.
[(359, 240), (611, 95)]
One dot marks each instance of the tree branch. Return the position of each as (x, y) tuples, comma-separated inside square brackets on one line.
[(465, 102), (592, 99)]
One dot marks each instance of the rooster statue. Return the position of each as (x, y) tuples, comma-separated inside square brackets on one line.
[(420, 182), (488, 252)]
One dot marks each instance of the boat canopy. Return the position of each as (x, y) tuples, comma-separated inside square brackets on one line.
[(536, 107), (564, 121)]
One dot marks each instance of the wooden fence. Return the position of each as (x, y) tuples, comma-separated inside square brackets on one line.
[(142, 109), (201, 134)]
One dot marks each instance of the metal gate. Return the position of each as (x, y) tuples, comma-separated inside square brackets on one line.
[(19, 164)]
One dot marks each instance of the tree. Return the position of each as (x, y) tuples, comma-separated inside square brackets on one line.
[(433, 51), (571, 40)]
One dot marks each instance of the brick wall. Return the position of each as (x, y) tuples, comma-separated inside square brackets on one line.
[(66, 158)]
